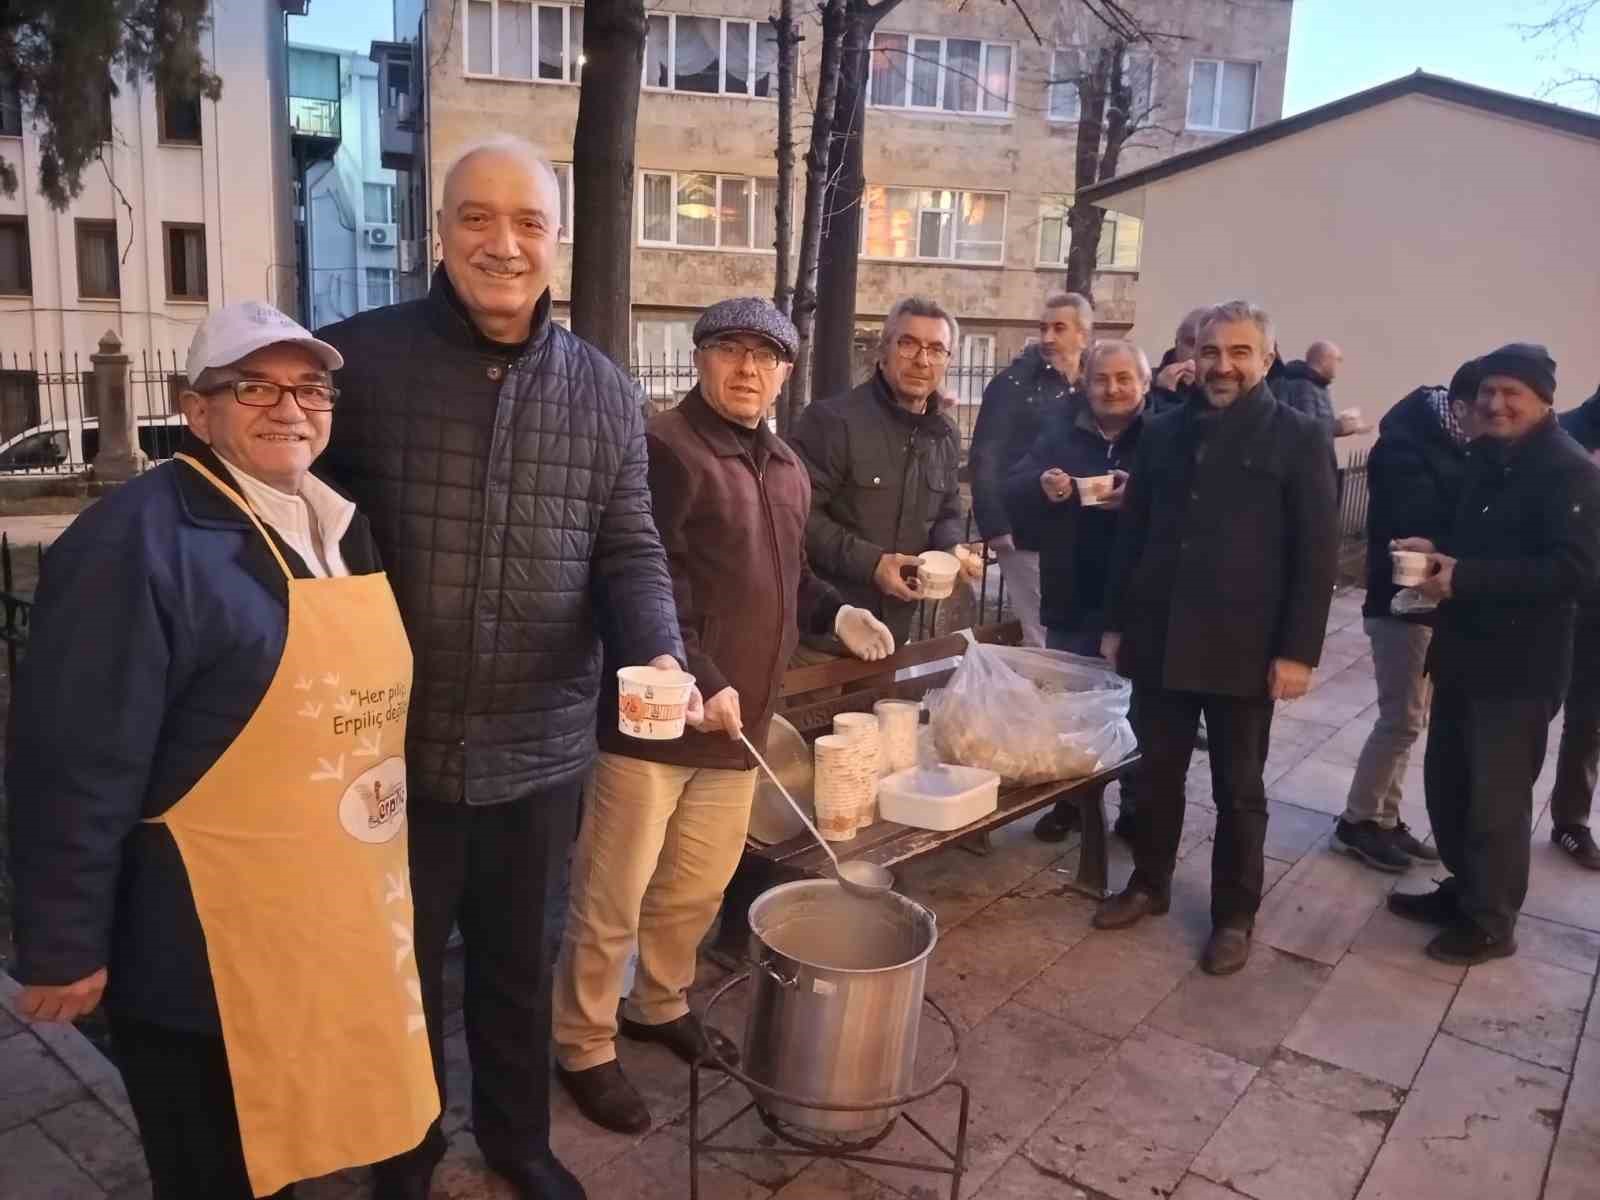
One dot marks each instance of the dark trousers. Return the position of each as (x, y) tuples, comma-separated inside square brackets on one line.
[(1482, 760), (495, 871), (182, 1099), (1578, 761), (1238, 731)]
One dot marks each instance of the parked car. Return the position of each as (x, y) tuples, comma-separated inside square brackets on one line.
[(68, 442)]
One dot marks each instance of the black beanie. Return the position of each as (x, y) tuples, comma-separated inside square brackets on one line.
[(1527, 362), (1464, 383)]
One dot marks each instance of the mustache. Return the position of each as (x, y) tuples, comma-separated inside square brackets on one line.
[(496, 263)]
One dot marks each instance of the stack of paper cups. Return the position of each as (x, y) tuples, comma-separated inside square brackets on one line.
[(863, 728), (845, 780), (898, 722)]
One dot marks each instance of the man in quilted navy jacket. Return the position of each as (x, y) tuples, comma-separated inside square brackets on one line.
[(503, 465)]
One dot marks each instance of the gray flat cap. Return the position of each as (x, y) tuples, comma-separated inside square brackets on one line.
[(748, 314)]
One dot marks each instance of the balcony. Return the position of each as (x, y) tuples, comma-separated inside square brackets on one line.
[(312, 118)]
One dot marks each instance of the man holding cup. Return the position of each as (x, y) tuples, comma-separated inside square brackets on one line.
[(664, 820), (1525, 546)]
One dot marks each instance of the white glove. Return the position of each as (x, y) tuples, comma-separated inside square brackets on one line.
[(863, 634)]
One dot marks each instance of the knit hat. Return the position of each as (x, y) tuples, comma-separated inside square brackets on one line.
[(1464, 383), (1527, 362), (748, 314)]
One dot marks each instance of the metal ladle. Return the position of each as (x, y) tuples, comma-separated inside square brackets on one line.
[(864, 879)]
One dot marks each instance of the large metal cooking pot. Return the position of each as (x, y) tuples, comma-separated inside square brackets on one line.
[(837, 1002)]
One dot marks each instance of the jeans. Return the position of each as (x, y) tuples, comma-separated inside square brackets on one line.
[(1399, 650), (1020, 570), (1578, 761)]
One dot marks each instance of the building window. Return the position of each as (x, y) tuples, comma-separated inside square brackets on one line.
[(1067, 65), (179, 118), (378, 202), (1119, 237), (1222, 95), (665, 363), (186, 261), (513, 39), (974, 366), (10, 110), (380, 286), (16, 264), (706, 211), (19, 402), (943, 74), (98, 276), (711, 55), (564, 186), (934, 225)]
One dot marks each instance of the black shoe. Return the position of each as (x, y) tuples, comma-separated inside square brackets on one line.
[(686, 1037), (1226, 952), (607, 1097), (396, 1185), (1464, 944), (1577, 841), (1127, 907), (1406, 842), (1123, 825), (1056, 824), (1369, 843), (539, 1178), (1438, 907)]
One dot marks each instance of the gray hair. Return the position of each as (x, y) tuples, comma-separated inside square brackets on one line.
[(1080, 306), (1191, 324), (1242, 310), (1117, 346), (510, 145), (918, 306)]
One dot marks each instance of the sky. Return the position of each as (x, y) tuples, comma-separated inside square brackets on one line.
[(344, 24), (1341, 46)]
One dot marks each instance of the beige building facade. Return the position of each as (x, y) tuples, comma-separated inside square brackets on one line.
[(969, 144), (1418, 224)]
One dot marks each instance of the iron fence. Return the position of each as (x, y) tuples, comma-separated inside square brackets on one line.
[(1353, 519), (50, 417)]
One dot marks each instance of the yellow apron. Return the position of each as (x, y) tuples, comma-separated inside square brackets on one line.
[(295, 846)]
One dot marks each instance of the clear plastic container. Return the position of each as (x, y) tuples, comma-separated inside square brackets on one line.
[(941, 797)]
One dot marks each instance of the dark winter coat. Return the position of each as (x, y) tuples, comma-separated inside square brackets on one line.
[(508, 494), (1227, 548), (1017, 405), (158, 624), (883, 481), (1526, 538), (1162, 399), (732, 516), (1306, 391), (1583, 426), (1414, 478), (1075, 542)]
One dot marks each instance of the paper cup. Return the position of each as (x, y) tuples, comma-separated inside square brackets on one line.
[(898, 722), (652, 702), (1093, 490), (937, 573), (843, 778), (862, 729), (1408, 567)]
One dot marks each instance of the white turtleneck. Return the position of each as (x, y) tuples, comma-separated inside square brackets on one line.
[(312, 523)]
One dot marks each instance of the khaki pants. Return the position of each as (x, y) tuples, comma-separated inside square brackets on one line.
[(658, 847)]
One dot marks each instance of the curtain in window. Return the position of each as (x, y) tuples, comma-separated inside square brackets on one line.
[(891, 223), (961, 65), (574, 43), (698, 62), (737, 71), (516, 40), (186, 257), (766, 219), (735, 212), (1238, 96), (766, 75), (997, 79), (925, 58), (1065, 102), (889, 69), (697, 210), (552, 42), (480, 39), (15, 269), (657, 208), (1202, 94), (657, 53), (97, 261)]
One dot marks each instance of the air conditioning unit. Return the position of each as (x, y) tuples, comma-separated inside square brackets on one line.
[(379, 237)]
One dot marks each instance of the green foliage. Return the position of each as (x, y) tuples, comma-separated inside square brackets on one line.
[(62, 55)]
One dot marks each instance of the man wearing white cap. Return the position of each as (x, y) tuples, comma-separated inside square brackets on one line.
[(208, 791)]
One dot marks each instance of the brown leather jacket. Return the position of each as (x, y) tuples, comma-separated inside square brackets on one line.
[(734, 525)]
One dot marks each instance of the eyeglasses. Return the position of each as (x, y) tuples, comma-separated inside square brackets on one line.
[(262, 393), (766, 358), (910, 349)]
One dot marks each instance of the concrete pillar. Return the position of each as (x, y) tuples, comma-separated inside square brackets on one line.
[(119, 456)]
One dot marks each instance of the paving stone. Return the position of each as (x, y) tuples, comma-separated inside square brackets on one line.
[(1477, 1125), (1311, 922), (956, 884), (1020, 1179), (33, 1166), (1522, 1007), (1292, 830), (1372, 1019), (1244, 1015), (748, 1130), (1109, 982), (1293, 741), (35, 1081), (97, 1142), (1575, 1165), (1314, 784), (1397, 942), (1560, 945), (660, 1167), (1045, 904), (1303, 1131), (9, 1025), (984, 962), (137, 1191), (1194, 1187), (1330, 870), (463, 1176), (1142, 1117), (1337, 698), (829, 1180), (1560, 890)]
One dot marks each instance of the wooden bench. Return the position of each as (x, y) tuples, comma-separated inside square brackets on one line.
[(812, 696)]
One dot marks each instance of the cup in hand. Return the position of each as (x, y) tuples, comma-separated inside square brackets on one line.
[(1094, 490), (1408, 567), (652, 702), (937, 573)]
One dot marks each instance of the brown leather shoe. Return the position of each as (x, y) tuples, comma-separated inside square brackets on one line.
[(1128, 906), (607, 1097), (686, 1037), (1226, 952)]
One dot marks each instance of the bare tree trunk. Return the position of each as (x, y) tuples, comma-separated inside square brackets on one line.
[(1085, 220), (805, 292), (788, 32), (602, 175)]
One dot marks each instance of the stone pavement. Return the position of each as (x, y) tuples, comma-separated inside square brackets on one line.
[(1340, 1065)]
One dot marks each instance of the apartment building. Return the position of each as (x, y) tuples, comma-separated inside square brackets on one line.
[(970, 139), (191, 210)]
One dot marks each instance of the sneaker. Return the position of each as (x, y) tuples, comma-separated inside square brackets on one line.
[(1374, 846), (1438, 907), (1577, 841), (1465, 944), (1406, 842), (607, 1097)]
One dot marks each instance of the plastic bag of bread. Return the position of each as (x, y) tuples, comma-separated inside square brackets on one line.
[(1031, 715)]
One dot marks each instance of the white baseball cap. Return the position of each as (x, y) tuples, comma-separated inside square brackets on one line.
[(238, 330)]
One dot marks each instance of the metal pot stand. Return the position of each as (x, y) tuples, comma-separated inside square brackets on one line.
[(953, 1163)]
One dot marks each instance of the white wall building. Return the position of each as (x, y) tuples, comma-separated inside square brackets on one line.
[(192, 210)]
